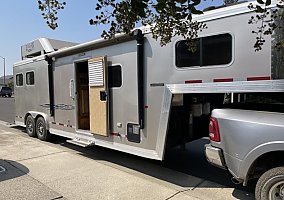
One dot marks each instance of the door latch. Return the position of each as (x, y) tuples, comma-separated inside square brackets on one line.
[(103, 95)]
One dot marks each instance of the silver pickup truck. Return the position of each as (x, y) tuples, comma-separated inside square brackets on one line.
[(250, 144)]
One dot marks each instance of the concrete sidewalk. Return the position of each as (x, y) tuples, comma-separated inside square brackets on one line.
[(32, 169)]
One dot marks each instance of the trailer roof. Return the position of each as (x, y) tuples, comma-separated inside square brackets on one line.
[(218, 13)]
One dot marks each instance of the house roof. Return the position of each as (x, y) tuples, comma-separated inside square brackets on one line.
[(7, 77)]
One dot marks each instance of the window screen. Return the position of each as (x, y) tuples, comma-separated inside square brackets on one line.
[(114, 76), (211, 50), (19, 80), (30, 80)]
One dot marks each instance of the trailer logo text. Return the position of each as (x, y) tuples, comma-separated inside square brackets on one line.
[(30, 47)]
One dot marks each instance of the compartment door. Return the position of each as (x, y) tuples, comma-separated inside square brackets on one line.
[(98, 96)]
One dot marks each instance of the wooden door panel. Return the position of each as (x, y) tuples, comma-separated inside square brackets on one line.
[(98, 106)]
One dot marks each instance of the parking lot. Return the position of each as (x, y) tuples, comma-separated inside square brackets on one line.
[(7, 109)]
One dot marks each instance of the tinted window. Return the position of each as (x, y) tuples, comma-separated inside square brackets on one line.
[(19, 80), (211, 50), (114, 76), (6, 89), (186, 57), (30, 80)]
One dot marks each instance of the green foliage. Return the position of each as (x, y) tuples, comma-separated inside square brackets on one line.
[(230, 2), (11, 84), (269, 20), (49, 10), (166, 18)]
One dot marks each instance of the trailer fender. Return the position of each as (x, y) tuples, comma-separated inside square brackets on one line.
[(36, 114)]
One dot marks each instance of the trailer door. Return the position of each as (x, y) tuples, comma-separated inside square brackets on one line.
[(98, 91)]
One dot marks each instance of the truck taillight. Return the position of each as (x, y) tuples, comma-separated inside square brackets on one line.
[(214, 130)]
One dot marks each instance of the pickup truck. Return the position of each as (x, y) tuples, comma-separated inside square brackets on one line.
[(5, 91), (250, 144)]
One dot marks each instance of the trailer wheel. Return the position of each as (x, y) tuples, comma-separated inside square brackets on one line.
[(41, 131), (270, 185), (30, 126)]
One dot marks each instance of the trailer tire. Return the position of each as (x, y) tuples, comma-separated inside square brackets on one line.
[(30, 126), (41, 131), (270, 185)]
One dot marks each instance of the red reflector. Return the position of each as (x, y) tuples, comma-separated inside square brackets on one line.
[(115, 134), (258, 78), (193, 81), (223, 80), (146, 106), (214, 134)]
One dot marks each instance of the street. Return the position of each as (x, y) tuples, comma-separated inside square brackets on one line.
[(191, 162), (7, 109)]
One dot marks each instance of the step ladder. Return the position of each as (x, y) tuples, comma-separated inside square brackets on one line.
[(81, 142)]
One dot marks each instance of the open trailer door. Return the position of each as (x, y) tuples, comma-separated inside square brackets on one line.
[(98, 91)]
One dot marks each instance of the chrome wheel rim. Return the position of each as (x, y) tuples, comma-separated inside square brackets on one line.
[(30, 127), (276, 192), (40, 128)]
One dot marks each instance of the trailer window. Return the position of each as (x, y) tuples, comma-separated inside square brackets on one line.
[(114, 76), (211, 50), (19, 80), (30, 80)]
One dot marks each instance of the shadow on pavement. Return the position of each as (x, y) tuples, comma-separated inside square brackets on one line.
[(11, 169), (190, 161), (188, 168)]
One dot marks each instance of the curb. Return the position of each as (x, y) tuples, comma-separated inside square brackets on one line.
[(7, 124)]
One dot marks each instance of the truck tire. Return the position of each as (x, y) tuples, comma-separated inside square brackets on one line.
[(30, 126), (270, 185), (41, 131)]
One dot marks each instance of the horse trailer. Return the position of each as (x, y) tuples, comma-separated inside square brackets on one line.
[(130, 94)]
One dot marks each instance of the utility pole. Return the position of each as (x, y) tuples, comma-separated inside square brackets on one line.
[(4, 69)]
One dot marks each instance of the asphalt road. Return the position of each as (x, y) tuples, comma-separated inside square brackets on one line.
[(190, 161), (58, 170), (7, 109)]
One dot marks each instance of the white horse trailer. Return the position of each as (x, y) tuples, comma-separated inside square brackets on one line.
[(132, 95)]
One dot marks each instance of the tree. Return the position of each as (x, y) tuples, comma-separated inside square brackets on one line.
[(11, 84), (269, 20), (167, 18), (49, 10)]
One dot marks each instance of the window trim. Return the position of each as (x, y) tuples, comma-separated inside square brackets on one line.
[(209, 66), (26, 77), (16, 80)]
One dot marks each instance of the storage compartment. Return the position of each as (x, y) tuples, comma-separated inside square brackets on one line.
[(189, 117)]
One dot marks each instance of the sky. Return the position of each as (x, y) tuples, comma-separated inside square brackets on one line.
[(21, 22)]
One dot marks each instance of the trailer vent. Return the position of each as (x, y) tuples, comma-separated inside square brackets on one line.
[(42, 46), (96, 73), (133, 133)]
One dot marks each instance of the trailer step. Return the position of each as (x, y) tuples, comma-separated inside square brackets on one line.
[(81, 143)]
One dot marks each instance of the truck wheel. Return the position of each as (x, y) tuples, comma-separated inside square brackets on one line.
[(270, 185), (41, 131), (30, 126)]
